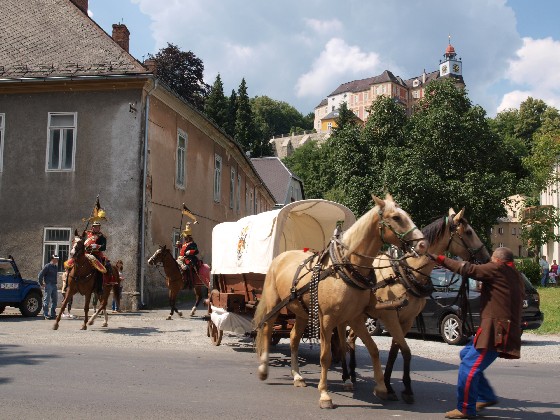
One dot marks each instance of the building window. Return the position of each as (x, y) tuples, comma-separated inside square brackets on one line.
[(513, 232), (366, 96), (329, 127), (501, 231), (252, 201), (491, 230), (2, 119), (181, 158), (232, 188), (61, 145), (238, 203), (501, 245), (247, 202), (217, 178), (175, 237), (56, 241)]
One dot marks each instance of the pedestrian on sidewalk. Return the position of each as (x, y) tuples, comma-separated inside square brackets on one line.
[(48, 277)]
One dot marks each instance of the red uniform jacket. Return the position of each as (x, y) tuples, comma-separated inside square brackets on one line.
[(501, 297)]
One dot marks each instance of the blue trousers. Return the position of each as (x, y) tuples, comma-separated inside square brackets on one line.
[(472, 386), (50, 297), (544, 278)]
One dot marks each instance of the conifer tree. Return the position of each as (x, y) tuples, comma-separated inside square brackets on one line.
[(216, 105), (244, 125), (231, 114)]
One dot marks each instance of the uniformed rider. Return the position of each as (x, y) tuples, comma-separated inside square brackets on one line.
[(96, 244), (188, 260)]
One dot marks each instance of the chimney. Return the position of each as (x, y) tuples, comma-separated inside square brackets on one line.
[(121, 35), (151, 65), (424, 77), (81, 4)]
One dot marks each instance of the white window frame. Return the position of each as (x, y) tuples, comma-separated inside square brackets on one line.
[(2, 125), (501, 230), (57, 246), (51, 129), (232, 188), (181, 157), (513, 231), (238, 204), (217, 178), (175, 236), (247, 202)]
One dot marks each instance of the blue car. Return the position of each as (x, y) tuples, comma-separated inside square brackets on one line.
[(18, 292)]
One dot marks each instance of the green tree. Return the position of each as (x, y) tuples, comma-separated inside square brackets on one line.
[(537, 226), (530, 119), (229, 127), (183, 72), (244, 124), (345, 118), (309, 164), (216, 106)]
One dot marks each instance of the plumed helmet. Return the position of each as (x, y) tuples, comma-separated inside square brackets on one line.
[(96, 223), (187, 231), (101, 214)]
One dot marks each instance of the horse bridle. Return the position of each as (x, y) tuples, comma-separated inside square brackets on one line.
[(407, 245), (77, 278), (454, 232)]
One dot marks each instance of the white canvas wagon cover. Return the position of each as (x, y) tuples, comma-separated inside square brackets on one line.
[(250, 244)]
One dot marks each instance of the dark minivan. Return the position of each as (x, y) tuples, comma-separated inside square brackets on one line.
[(441, 314)]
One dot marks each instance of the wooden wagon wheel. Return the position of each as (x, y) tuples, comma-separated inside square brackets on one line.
[(214, 333)]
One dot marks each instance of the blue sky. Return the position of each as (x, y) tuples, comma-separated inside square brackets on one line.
[(300, 51)]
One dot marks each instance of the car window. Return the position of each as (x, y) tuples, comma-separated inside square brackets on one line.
[(439, 278), (6, 269)]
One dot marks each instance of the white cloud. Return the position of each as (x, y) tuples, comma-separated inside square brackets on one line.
[(90, 13), (324, 26), (338, 58), (535, 68)]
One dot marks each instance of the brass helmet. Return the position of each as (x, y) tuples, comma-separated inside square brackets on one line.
[(187, 231), (96, 223)]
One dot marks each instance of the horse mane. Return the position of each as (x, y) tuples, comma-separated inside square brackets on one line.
[(359, 231), (435, 230)]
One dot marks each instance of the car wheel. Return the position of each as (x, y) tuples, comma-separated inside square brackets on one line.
[(31, 305), (2, 307), (374, 327), (451, 330)]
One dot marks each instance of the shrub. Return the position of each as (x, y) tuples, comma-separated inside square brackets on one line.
[(531, 268)]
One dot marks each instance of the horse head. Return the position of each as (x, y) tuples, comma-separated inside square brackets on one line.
[(158, 255), (397, 228), (78, 246), (464, 242)]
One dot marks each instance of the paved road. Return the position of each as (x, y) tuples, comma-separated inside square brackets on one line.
[(143, 367)]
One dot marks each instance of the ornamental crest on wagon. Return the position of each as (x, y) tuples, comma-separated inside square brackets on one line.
[(242, 242)]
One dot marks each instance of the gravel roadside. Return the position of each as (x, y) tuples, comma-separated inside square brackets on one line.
[(150, 329)]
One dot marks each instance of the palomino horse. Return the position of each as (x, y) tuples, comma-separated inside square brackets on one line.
[(81, 279), (451, 234), (174, 278), (343, 293)]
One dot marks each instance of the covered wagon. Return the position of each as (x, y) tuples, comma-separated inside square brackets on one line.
[(242, 252)]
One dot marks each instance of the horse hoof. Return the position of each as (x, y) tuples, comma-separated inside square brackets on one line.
[(348, 386), (90, 323), (193, 311), (105, 324), (262, 374), (168, 318), (326, 404), (392, 396), (380, 394), (180, 314), (299, 383), (55, 326), (407, 398), (84, 327)]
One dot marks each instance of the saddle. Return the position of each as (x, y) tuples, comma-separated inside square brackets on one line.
[(92, 260)]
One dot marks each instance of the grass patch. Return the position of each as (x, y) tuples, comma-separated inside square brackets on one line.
[(550, 306)]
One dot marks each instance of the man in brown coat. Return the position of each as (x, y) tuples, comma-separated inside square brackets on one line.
[(499, 334)]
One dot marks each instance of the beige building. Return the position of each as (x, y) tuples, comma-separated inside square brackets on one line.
[(360, 94), (508, 230)]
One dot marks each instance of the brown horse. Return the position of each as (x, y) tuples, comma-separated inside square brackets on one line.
[(174, 279), (451, 234), (81, 279), (343, 294), (112, 286)]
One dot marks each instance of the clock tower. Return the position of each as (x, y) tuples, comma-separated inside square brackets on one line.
[(450, 66)]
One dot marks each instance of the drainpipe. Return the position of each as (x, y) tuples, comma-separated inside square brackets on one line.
[(143, 216)]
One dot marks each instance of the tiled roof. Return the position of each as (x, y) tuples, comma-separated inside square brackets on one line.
[(46, 38), (429, 77), (364, 84), (275, 175)]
